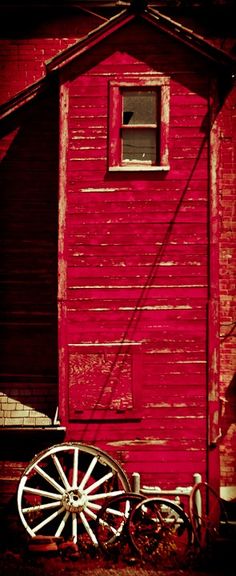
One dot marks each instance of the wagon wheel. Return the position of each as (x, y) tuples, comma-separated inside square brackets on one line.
[(111, 524), (161, 532), (207, 514), (64, 487)]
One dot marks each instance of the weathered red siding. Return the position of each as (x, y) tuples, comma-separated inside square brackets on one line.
[(136, 250), (142, 247)]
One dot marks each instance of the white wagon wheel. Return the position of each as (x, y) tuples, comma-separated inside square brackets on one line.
[(161, 532), (63, 488)]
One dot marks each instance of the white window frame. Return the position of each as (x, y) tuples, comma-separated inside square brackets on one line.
[(115, 162)]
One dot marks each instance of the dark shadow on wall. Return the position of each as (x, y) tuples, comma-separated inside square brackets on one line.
[(28, 254), (228, 411)]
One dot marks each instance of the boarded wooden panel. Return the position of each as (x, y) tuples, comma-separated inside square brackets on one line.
[(104, 382), (136, 247)]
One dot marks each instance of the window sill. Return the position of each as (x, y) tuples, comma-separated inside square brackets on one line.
[(139, 168)]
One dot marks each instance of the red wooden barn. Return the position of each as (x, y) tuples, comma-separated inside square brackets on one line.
[(117, 237)]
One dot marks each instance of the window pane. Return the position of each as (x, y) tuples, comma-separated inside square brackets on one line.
[(139, 107), (139, 145)]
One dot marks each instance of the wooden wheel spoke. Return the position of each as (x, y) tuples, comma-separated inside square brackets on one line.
[(75, 467), (61, 471), (116, 512), (74, 528), (88, 528), (105, 524), (93, 505), (62, 524), (41, 507), (49, 479), (98, 483), (39, 492), (48, 519), (88, 473), (104, 495), (90, 513)]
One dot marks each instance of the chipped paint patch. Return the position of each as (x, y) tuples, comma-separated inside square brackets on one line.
[(136, 442), (131, 286), (98, 189), (170, 405), (184, 307)]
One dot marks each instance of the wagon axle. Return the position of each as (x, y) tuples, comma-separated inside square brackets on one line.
[(74, 501)]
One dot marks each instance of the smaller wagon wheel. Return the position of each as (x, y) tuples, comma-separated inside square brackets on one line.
[(111, 524), (161, 532), (207, 514), (64, 487)]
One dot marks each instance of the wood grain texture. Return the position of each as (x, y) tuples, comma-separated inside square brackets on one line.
[(137, 252)]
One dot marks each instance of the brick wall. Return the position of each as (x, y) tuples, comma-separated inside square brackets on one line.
[(16, 413), (227, 186), (27, 43)]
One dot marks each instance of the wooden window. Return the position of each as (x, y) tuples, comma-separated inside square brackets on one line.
[(138, 125), (104, 382)]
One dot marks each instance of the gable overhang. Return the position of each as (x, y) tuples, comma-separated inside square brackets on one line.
[(187, 37), (161, 22), (22, 98), (91, 40)]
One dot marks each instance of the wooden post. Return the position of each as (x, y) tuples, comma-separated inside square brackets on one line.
[(62, 259), (213, 302)]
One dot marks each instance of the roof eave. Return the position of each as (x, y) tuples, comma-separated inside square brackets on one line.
[(153, 16), (188, 37), (89, 41), (22, 98)]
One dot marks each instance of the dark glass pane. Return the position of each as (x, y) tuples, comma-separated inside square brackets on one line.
[(139, 107), (139, 145)]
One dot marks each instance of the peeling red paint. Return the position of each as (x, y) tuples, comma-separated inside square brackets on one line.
[(138, 253), (137, 262)]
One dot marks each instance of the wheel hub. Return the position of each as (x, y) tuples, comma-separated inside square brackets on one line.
[(74, 501), (48, 487)]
